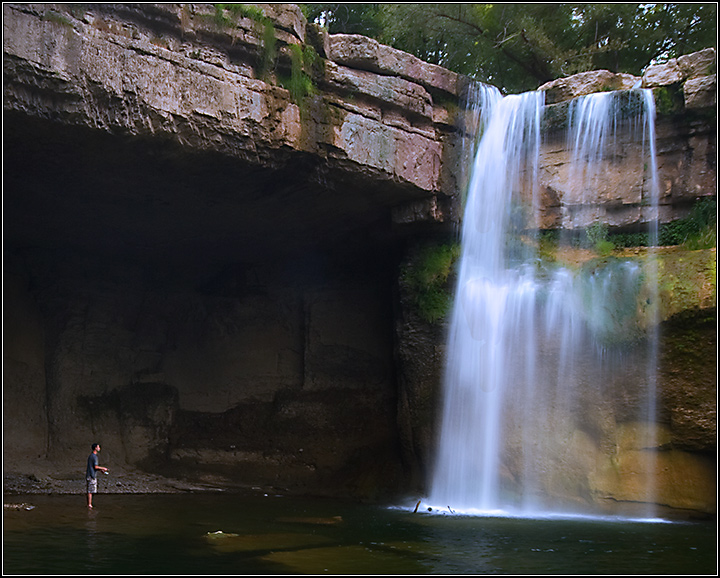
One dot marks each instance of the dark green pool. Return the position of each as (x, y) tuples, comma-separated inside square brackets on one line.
[(233, 534)]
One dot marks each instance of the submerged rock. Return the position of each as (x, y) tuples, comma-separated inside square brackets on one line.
[(23, 506)]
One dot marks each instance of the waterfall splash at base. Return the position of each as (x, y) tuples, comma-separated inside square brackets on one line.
[(532, 345)]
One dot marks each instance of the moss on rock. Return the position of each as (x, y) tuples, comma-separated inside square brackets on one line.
[(426, 277)]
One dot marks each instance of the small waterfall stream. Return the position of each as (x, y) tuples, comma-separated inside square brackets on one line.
[(526, 350)]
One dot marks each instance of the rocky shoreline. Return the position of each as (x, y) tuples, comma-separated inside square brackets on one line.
[(129, 483), (50, 479)]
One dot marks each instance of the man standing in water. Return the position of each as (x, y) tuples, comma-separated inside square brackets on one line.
[(91, 473)]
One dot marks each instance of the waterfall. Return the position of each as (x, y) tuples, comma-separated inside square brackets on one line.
[(527, 352)]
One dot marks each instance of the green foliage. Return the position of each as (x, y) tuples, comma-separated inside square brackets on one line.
[(668, 99), (57, 18), (597, 238), (596, 233), (638, 239), (300, 83), (518, 47), (269, 48), (548, 243), (704, 239), (365, 19), (226, 16), (302, 59), (696, 231), (605, 247), (427, 277), (617, 321)]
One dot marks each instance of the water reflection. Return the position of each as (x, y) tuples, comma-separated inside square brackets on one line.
[(92, 548), (231, 534)]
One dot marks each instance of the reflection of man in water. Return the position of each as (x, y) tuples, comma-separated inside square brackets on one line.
[(90, 473)]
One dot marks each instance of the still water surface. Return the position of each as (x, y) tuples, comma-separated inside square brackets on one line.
[(188, 534)]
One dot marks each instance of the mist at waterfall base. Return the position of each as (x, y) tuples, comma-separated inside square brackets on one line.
[(530, 346)]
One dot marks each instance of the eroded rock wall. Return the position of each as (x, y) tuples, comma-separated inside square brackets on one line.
[(201, 256), (682, 463), (269, 376), (179, 72), (617, 189)]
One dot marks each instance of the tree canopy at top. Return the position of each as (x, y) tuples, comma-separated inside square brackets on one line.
[(518, 47)]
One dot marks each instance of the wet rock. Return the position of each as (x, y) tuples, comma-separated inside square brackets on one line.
[(681, 480), (585, 83), (23, 506)]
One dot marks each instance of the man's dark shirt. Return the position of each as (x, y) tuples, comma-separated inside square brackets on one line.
[(92, 462)]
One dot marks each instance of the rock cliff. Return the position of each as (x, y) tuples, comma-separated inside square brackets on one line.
[(205, 215), (204, 212), (684, 95)]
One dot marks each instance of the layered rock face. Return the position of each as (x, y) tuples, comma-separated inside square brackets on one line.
[(681, 463), (173, 73), (201, 236), (617, 189), (606, 430), (205, 217)]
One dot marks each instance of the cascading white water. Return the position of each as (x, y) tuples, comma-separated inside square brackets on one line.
[(525, 339)]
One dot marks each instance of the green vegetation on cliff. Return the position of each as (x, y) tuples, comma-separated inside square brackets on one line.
[(696, 231), (226, 16), (303, 59), (686, 281), (300, 82), (427, 278)]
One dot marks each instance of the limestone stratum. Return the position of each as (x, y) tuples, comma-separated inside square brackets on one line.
[(212, 220)]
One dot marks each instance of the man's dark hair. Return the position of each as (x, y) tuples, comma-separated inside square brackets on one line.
[(95, 446)]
